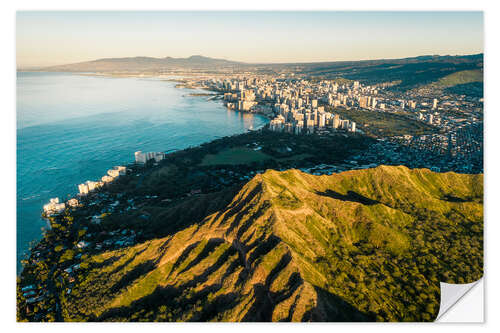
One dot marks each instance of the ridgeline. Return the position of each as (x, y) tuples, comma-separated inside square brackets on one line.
[(361, 245)]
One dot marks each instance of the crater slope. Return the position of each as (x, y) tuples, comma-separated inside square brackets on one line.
[(364, 245)]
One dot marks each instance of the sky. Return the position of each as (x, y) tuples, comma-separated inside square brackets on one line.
[(45, 38)]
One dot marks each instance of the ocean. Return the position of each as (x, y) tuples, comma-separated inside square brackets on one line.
[(72, 128)]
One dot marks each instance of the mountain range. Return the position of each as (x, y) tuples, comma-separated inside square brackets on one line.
[(132, 64), (404, 74), (199, 62)]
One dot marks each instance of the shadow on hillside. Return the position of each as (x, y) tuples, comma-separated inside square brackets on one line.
[(333, 308), (135, 273), (211, 245), (188, 211), (451, 198), (128, 261), (182, 304), (350, 196), (177, 305), (107, 262)]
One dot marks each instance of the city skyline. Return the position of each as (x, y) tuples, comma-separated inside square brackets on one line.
[(55, 38)]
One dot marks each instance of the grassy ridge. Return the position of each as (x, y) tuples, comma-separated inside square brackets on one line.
[(362, 245), (461, 77)]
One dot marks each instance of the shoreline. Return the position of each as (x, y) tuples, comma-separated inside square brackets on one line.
[(134, 169), (72, 193)]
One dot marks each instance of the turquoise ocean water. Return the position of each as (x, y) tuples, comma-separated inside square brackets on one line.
[(72, 128)]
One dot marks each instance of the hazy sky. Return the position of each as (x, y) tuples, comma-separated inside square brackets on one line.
[(52, 38)]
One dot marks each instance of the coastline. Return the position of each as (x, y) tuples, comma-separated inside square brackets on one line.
[(134, 170), (71, 189), (91, 229)]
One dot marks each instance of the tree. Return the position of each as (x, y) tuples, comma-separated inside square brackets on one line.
[(67, 255)]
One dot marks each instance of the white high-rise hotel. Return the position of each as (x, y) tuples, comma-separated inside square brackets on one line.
[(141, 157), (54, 207)]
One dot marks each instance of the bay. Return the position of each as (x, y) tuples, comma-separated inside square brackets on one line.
[(72, 128)]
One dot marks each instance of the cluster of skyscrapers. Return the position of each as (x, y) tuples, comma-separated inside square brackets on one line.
[(306, 122), (243, 100), (269, 95), (303, 106), (297, 104)]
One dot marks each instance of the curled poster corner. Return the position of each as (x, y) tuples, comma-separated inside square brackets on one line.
[(451, 296)]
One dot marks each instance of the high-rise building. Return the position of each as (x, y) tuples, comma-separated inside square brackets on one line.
[(54, 207), (83, 189), (336, 121), (288, 128), (92, 185), (299, 127), (142, 158), (344, 123), (363, 102), (322, 120), (310, 126), (277, 123), (316, 117), (107, 179), (434, 104)]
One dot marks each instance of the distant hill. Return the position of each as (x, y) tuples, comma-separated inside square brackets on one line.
[(361, 245), (407, 72), (467, 82), (462, 77), (135, 64)]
